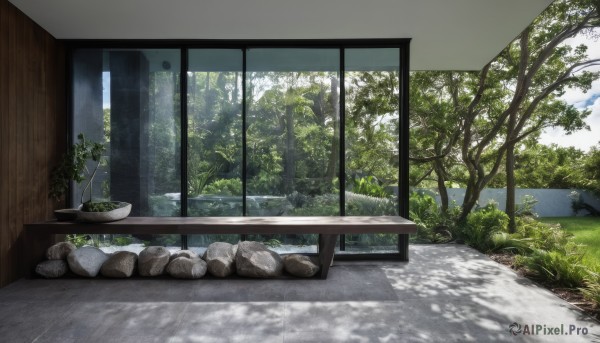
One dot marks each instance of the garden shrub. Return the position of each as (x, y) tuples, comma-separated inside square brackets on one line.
[(320, 205), (591, 291), (503, 241), (370, 186), (364, 205), (482, 224), (432, 225), (558, 268), (542, 236), (224, 187)]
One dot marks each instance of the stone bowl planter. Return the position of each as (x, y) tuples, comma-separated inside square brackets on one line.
[(103, 217)]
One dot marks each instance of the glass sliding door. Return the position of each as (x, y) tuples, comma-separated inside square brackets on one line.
[(372, 141), (214, 108), (129, 99), (261, 130), (292, 137)]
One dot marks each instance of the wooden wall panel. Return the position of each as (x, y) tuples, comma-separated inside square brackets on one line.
[(32, 129)]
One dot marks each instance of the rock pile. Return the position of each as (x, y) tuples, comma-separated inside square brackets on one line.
[(248, 259)]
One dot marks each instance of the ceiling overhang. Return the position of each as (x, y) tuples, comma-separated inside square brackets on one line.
[(446, 34)]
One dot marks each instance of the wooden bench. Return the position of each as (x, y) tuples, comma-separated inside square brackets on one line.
[(39, 236)]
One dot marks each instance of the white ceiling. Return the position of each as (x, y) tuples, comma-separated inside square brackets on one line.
[(446, 34)]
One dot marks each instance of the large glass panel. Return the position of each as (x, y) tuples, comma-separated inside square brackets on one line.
[(129, 99), (292, 138), (371, 141), (214, 105)]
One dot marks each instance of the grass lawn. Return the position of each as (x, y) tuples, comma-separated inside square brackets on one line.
[(586, 230)]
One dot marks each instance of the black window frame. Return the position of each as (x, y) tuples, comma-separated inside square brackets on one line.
[(403, 44)]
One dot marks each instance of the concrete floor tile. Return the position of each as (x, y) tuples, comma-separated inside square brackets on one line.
[(446, 293), (25, 321)]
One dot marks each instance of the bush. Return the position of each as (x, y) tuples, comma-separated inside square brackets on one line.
[(369, 186), (555, 267), (482, 225), (122, 241), (224, 187), (502, 241), (432, 225), (542, 236), (364, 205), (591, 291), (320, 205)]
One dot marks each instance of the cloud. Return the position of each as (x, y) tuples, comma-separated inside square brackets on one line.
[(583, 139)]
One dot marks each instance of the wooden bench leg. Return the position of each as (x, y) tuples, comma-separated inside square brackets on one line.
[(403, 246), (326, 250)]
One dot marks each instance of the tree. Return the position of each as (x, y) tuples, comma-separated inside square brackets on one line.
[(517, 95)]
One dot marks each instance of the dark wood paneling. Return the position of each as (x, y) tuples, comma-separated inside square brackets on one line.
[(32, 131)]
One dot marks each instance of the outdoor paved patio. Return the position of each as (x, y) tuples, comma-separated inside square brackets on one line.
[(447, 293)]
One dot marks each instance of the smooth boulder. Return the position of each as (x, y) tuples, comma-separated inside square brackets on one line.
[(253, 259), (52, 268), (220, 259), (60, 251), (86, 261), (187, 268), (119, 265), (153, 261), (183, 253), (300, 265)]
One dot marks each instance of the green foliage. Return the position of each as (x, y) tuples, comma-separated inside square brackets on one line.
[(482, 225), (542, 236), (364, 205), (320, 205), (584, 230), (164, 240), (559, 268), (224, 187), (73, 167), (369, 186), (377, 240), (503, 241), (509, 101), (78, 240), (99, 206), (525, 207), (272, 243), (122, 241), (591, 291), (432, 225)]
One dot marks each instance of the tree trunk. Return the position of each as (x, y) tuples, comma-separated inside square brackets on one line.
[(510, 188), (470, 200), (441, 184), (289, 167), (335, 140)]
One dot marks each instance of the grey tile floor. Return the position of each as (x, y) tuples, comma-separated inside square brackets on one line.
[(446, 293)]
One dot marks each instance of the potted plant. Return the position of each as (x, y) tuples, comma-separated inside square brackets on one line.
[(73, 167)]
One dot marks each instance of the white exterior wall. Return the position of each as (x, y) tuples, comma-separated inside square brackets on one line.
[(551, 202)]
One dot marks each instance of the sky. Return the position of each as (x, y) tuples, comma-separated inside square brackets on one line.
[(584, 139)]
